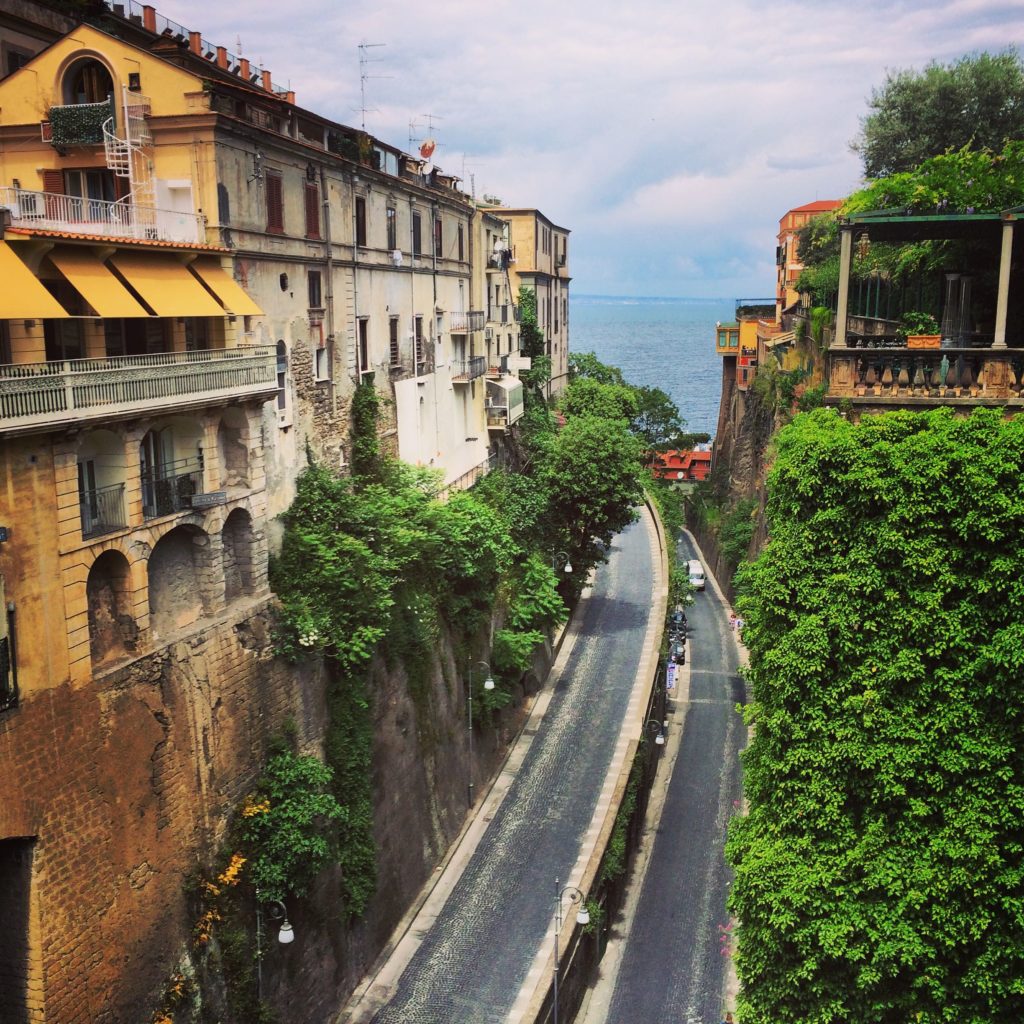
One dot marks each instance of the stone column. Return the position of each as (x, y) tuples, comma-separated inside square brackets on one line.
[(1003, 292), (843, 300)]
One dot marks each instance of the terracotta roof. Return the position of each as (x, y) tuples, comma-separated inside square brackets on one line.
[(818, 206), (81, 237)]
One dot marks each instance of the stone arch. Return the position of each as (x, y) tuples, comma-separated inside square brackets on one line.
[(233, 448), (113, 632), (239, 553), (179, 579)]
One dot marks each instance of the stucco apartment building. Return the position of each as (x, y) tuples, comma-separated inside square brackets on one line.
[(787, 251), (539, 260), (196, 273)]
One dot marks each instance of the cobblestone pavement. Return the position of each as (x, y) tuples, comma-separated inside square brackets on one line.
[(673, 968), (472, 962)]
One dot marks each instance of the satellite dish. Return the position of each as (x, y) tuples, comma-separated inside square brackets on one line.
[(427, 169), (427, 148)]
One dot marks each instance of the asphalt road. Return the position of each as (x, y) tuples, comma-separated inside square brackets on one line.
[(473, 960), (672, 967)]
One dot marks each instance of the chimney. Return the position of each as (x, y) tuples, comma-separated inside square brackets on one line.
[(195, 43), (243, 68), (149, 18), (267, 85), (222, 57), (290, 97)]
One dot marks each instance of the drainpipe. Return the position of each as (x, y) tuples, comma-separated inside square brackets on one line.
[(325, 201), (355, 283)]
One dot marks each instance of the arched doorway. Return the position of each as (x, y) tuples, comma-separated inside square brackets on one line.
[(178, 579), (238, 554), (112, 629)]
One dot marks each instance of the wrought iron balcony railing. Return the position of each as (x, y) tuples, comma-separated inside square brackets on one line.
[(51, 211), (71, 391), (471, 321), (103, 511), (171, 489), (465, 370)]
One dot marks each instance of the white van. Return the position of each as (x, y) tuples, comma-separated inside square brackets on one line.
[(696, 571)]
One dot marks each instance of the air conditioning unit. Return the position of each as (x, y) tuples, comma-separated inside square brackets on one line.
[(488, 334)]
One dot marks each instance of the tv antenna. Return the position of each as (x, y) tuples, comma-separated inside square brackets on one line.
[(364, 60)]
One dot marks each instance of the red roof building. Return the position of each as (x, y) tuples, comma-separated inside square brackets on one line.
[(681, 467), (787, 253)]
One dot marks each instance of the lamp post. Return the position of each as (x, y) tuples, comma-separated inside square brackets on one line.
[(561, 556), (659, 728), (582, 917), (276, 911), (488, 685)]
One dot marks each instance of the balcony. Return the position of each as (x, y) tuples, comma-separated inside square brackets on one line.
[(73, 391), (465, 370), (461, 323), (78, 124), (504, 403), (51, 211), (914, 378), (171, 489), (103, 511)]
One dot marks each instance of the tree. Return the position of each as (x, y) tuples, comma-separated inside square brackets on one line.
[(591, 469), (976, 101), (587, 396), (880, 869), (657, 422)]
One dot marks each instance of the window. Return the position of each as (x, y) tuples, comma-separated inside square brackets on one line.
[(314, 288), (312, 193), (275, 203), (392, 229), (438, 237), (360, 221), (322, 358), (5, 342), (64, 339), (417, 234), (418, 335), (8, 655), (197, 333), (393, 341), (462, 251), (87, 81), (364, 345)]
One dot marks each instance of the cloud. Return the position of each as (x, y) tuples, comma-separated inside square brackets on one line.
[(669, 137)]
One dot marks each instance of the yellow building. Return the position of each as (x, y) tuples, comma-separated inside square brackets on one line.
[(539, 261)]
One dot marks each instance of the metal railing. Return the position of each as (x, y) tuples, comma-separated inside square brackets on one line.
[(51, 211), (74, 390), (103, 511), (171, 488), (471, 321), (465, 370)]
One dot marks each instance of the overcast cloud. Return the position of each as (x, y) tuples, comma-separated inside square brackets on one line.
[(668, 136)]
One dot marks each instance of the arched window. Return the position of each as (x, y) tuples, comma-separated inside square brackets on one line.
[(101, 483), (282, 374), (112, 629), (171, 464), (87, 81)]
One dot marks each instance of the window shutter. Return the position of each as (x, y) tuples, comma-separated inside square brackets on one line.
[(120, 187), (312, 211), (53, 181), (275, 209)]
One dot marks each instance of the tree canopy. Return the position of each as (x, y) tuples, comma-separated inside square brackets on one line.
[(880, 868), (976, 101)]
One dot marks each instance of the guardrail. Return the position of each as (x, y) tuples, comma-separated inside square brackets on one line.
[(473, 320), (465, 370), (102, 511)]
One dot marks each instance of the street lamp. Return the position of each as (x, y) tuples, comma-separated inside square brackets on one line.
[(654, 726), (561, 556), (488, 685), (582, 917), (276, 911)]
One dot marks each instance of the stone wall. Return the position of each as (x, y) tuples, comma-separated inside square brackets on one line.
[(125, 785)]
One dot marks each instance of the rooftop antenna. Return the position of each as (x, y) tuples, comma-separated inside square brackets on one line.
[(365, 59), (238, 45)]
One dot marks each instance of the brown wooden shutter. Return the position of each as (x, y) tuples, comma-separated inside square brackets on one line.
[(312, 210), (53, 181), (275, 207), (121, 187)]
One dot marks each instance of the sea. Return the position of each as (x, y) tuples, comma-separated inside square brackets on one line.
[(664, 343)]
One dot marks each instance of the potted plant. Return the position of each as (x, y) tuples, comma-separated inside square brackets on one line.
[(919, 330)]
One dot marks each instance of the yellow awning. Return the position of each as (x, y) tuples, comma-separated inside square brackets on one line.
[(22, 294), (96, 282), (224, 286), (165, 285)]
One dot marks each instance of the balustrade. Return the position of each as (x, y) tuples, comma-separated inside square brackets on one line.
[(171, 488), (75, 390), (102, 510), (465, 370)]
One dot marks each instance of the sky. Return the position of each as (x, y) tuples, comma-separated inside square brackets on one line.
[(669, 136)]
